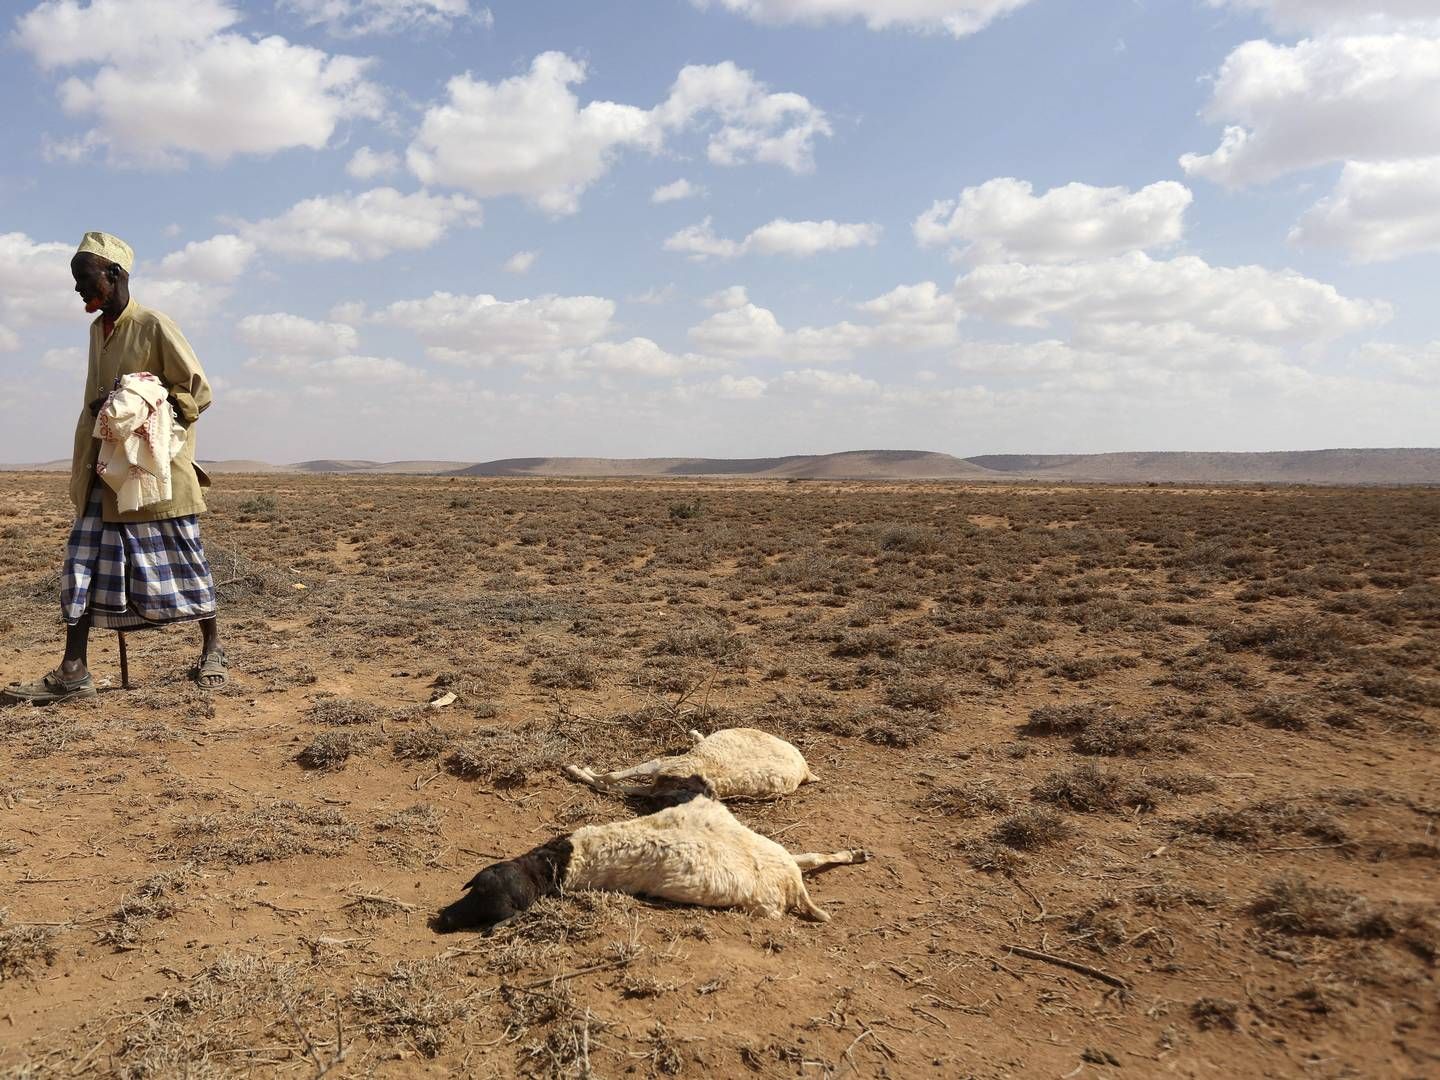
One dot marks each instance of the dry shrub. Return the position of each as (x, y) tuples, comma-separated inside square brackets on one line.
[(1168, 893), (1129, 736), (280, 831), (215, 1016), (507, 758), (885, 726), (990, 857), (875, 642), (1296, 906), (22, 947), (343, 711), (419, 744), (154, 899), (1296, 639), (330, 750), (572, 672), (910, 692), (910, 539), (1098, 927), (1213, 1013), (713, 643), (1182, 783), (401, 830), (1031, 828), (1089, 788), (1064, 719), (967, 800), (1265, 821), (414, 1003), (1287, 714)]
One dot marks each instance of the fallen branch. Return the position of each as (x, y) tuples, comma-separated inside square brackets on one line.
[(1072, 965)]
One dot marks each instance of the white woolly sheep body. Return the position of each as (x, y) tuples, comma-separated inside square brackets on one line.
[(694, 853), (738, 763)]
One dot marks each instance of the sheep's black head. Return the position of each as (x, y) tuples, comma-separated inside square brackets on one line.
[(502, 891), (673, 790)]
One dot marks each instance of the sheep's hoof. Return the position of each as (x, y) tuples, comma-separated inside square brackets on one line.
[(860, 855)]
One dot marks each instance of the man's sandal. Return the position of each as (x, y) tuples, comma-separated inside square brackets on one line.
[(48, 691), (213, 671)]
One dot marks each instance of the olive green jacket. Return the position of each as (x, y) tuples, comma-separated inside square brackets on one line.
[(143, 340)]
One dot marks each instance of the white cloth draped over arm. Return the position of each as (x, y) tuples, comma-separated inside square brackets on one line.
[(139, 437)]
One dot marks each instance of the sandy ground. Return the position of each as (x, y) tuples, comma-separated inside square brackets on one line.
[(1178, 745)]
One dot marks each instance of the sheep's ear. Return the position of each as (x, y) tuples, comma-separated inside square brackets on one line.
[(474, 881)]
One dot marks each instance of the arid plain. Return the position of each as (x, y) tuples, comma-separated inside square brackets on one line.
[(1176, 745)]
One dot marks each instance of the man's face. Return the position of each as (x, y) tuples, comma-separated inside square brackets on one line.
[(92, 280)]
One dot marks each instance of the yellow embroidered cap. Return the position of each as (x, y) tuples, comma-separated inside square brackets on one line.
[(108, 247)]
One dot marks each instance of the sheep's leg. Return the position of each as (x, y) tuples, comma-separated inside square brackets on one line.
[(814, 861), (582, 774), (802, 903), (611, 783)]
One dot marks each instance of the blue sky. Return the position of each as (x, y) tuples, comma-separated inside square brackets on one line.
[(440, 229)]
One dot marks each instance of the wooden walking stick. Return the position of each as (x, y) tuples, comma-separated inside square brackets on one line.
[(124, 662)]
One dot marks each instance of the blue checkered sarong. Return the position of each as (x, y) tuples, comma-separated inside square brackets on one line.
[(135, 574)]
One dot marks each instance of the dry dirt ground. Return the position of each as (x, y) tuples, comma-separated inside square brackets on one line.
[(1183, 741)]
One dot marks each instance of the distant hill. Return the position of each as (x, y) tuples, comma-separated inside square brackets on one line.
[(1358, 466), (1389, 466), (850, 465)]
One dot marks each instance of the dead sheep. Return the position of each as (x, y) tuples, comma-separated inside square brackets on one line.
[(694, 853), (739, 763)]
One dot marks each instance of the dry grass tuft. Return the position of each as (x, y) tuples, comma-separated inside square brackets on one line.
[(967, 800), (343, 711), (414, 1003), (330, 750), (153, 900), (279, 831), (1031, 828), (1263, 822), (22, 947), (1089, 788)]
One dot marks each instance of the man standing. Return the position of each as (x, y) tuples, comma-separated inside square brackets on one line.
[(128, 571)]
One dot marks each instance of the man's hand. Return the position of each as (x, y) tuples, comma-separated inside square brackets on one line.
[(98, 404)]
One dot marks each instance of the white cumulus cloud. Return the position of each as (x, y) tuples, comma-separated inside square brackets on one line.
[(527, 135), (367, 164), (1326, 99), (520, 262), (171, 79), (816, 382), (798, 239), (358, 17), (673, 192), (482, 330), (1378, 211), (530, 136), (286, 334), (641, 356), (1245, 301), (955, 17), (35, 281), (1417, 363), (219, 260), (1004, 219), (1319, 15), (362, 227)]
